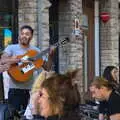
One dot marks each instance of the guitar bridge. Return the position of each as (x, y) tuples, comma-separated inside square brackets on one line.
[(27, 68)]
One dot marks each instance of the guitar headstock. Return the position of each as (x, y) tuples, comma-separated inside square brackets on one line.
[(64, 41), (61, 42)]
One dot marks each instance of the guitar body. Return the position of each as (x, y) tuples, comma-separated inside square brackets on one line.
[(23, 72)]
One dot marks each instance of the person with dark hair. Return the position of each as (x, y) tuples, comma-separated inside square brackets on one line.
[(18, 94), (27, 27), (111, 74), (101, 89), (56, 99)]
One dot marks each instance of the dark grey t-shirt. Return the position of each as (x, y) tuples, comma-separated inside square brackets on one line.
[(113, 103)]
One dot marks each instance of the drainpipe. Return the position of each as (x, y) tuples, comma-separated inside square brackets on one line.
[(97, 50)]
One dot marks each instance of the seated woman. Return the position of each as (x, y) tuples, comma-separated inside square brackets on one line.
[(35, 89), (57, 99), (111, 74)]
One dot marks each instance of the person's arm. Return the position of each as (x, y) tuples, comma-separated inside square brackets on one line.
[(114, 103), (6, 61), (102, 107), (48, 64), (34, 102), (4, 67), (115, 116)]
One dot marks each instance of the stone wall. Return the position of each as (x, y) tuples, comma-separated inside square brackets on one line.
[(36, 14), (43, 23), (71, 54), (109, 33), (67, 11), (27, 15)]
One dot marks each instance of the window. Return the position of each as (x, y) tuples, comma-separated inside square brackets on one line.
[(8, 22)]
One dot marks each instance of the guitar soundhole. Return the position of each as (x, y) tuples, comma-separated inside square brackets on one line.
[(21, 71)]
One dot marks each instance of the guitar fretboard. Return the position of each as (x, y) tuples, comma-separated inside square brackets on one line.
[(44, 52)]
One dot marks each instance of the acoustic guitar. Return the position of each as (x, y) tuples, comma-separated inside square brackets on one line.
[(23, 71)]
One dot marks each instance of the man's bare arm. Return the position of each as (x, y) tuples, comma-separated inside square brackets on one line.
[(6, 61), (115, 116)]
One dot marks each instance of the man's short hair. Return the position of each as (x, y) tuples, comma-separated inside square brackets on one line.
[(27, 27), (99, 82)]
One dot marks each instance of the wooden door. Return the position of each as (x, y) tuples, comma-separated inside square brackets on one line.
[(88, 10)]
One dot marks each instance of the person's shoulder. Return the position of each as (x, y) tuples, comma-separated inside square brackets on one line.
[(35, 48), (114, 102), (115, 95), (12, 45), (10, 48)]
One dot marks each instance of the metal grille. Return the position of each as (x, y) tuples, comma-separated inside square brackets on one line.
[(88, 112)]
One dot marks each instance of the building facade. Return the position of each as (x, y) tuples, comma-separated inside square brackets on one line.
[(92, 44)]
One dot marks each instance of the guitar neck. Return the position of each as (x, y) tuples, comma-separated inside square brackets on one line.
[(44, 52)]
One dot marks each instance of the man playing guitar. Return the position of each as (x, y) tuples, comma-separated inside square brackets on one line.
[(18, 94)]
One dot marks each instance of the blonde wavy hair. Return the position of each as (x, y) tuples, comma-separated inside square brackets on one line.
[(42, 76)]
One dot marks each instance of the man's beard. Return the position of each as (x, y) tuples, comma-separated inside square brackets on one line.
[(24, 41)]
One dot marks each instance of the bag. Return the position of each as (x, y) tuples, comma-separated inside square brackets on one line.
[(7, 112)]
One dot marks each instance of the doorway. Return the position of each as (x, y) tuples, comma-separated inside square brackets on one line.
[(88, 11), (53, 27)]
